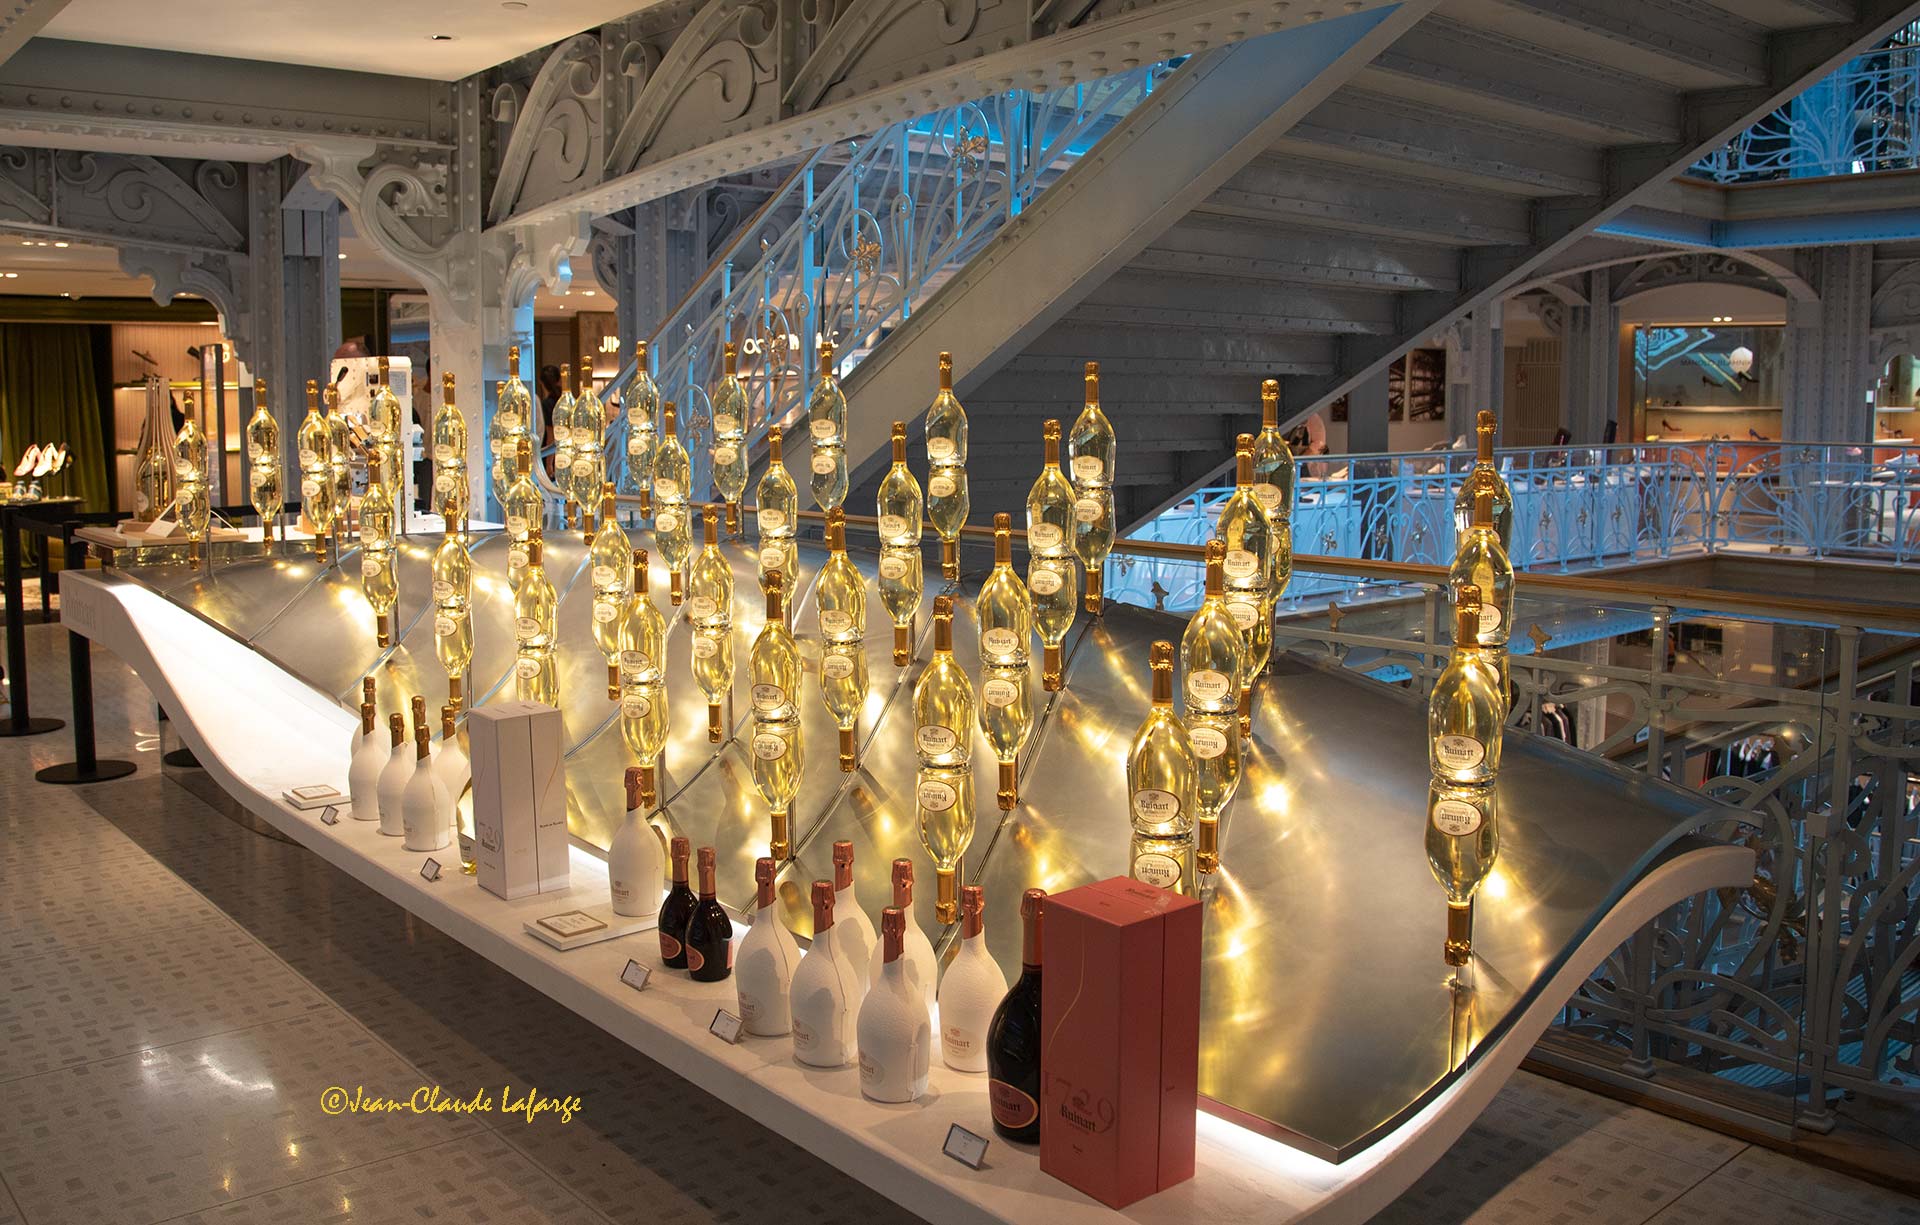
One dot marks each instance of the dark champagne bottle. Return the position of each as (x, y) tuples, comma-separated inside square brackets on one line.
[(1013, 1040), (709, 952), (677, 909)]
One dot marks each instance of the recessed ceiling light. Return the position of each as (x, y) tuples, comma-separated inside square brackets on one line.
[(11, 276), (343, 255), (587, 292), (26, 242), (60, 244), (439, 38)]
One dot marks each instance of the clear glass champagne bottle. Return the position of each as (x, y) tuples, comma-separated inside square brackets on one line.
[(512, 422), (384, 423), (560, 417), (1160, 774), (1091, 445), (1093, 539), (378, 578), (450, 490), (535, 618), (1481, 563), (1213, 650), (265, 489), (1273, 467), (943, 706), (710, 614), (672, 527), (1463, 844), (526, 509), (190, 480), (840, 602), (1052, 576), (776, 519), (610, 567), (730, 408), (1216, 767), (1466, 712), (1247, 532), (827, 427), (948, 499), (943, 801), (589, 432), (339, 461), (1485, 476), (1006, 716), (453, 610), (901, 579), (642, 404), (1004, 607), (774, 668), (643, 701), (314, 449)]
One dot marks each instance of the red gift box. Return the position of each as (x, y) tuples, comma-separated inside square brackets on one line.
[(1120, 1056)]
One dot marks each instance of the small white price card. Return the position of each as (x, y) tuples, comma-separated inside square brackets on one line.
[(635, 975), (965, 1147), (571, 923), (725, 1026), (430, 870), (329, 815)]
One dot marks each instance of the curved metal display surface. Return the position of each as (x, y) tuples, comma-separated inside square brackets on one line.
[(1328, 1016)]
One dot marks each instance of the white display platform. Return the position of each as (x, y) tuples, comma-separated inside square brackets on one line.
[(259, 732)]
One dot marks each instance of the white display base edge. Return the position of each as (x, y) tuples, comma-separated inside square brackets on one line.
[(220, 695)]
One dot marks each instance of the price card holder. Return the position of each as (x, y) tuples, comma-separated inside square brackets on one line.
[(636, 975), (571, 923), (726, 1027), (430, 870), (965, 1147), (329, 815)]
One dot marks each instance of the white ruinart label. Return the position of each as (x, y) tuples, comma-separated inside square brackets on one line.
[(1458, 752), (893, 567), (443, 483), (722, 456), (769, 747), (702, 607), (822, 430), (509, 419), (1086, 510), (1160, 871), (634, 662), (606, 612), (1087, 468), (893, 527), (369, 568), (1489, 619), (443, 451), (1153, 804), (639, 418), (517, 524), (445, 626), (836, 666), (1000, 693), (1044, 580), (934, 795), (562, 460), (940, 487), (666, 521), (772, 521), (1241, 564), (308, 489), (939, 448), (584, 436), (526, 627), (1267, 495), (1245, 616), (442, 589), (769, 697), (308, 456), (1456, 818), (1044, 536), (704, 647), (635, 707), (527, 669), (823, 463), (772, 557), (999, 641), (834, 622), (1206, 685), (516, 557), (666, 487), (1208, 742), (935, 740), (604, 576), (636, 445), (726, 423)]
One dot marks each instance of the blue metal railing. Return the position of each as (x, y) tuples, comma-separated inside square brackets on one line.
[(1862, 119)]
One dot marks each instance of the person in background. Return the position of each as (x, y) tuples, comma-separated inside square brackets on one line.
[(549, 396)]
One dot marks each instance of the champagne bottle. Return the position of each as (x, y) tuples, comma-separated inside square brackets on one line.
[(536, 676), (526, 513), (1216, 765), (825, 990), (947, 497), (190, 480), (840, 596), (1213, 651), (827, 426), (900, 525), (1014, 1040), (1006, 716), (377, 575), (1484, 475), (774, 664), (776, 518), (1093, 538), (856, 937), (450, 491), (1090, 444), (1467, 709), (643, 631), (453, 608), (512, 423), (1004, 607), (763, 977), (393, 776), (634, 868), (677, 909), (710, 613), (643, 699), (642, 402), (1462, 843), (370, 756), (384, 425), (730, 437), (425, 812), (264, 486), (456, 775), (1160, 774), (943, 700), (560, 417), (588, 474), (970, 991), (610, 566), (672, 530), (1273, 469), (895, 1028), (314, 445), (709, 939), (1248, 534), (943, 798), (1052, 579), (339, 460), (923, 968), (1481, 562)]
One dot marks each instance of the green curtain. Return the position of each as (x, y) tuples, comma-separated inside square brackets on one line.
[(48, 394)]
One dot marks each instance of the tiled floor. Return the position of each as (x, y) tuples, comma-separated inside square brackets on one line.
[(176, 990)]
